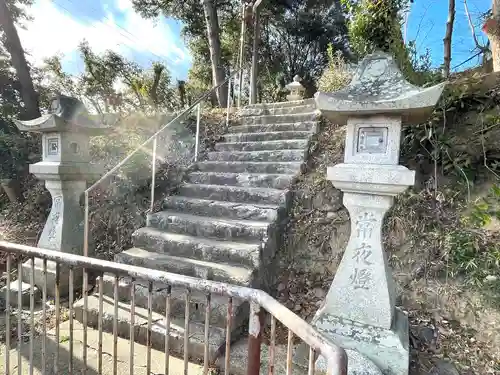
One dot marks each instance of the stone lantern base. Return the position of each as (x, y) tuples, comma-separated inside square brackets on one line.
[(388, 349)]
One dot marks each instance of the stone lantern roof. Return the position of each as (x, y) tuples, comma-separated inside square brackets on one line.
[(378, 87), (66, 114)]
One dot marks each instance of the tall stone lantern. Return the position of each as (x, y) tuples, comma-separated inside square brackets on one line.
[(65, 168), (359, 312)]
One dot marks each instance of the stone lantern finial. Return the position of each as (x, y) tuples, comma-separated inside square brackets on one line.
[(359, 312), (296, 89)]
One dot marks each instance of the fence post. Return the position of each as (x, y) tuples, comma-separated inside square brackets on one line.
[(197, 140), (254, 69), (255, 330)]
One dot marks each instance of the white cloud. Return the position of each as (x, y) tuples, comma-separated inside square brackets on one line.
[(55, 31)]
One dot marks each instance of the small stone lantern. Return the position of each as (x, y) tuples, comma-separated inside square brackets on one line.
[(296, 90), (359, 312), (66, 168)]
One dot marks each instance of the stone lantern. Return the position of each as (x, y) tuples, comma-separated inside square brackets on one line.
[(65, 168), (296, 90), (359, 312)]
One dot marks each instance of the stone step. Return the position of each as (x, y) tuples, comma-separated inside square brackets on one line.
[(266, 156), (232, 253), (272, 110), (204, 226), (286, 104), (197, 301), (309, 126), (279, 119), (250, 167), (290, 144), (267, 136), (196, 337), (228, 210), (273, 181), (186, 266), (235, 194)]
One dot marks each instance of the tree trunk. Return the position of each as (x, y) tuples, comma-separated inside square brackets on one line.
[(213, 33), (492, 29), (447, 38), (13, 46), (255, 57)]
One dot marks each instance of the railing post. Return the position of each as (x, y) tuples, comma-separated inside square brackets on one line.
[(153, 175), (255, 330), (197, 140), (228, 100), (255, 55), (242, 50)]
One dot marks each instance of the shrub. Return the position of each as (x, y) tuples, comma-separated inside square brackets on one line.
[(337, 74)]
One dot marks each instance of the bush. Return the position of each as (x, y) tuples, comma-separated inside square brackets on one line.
[(337, 74), (16, 152)]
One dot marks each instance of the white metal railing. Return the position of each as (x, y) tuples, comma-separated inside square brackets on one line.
[(260, 302)]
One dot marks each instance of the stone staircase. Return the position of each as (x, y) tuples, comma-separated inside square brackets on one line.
[(224, 225)]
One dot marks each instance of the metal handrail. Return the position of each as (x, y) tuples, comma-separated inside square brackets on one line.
[(335, 355), (153, 138)]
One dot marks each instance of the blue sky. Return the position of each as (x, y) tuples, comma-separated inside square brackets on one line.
[(427, 25), (59, 25)]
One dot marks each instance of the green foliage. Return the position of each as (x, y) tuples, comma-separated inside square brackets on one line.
[(337, 75), (474, 251), (16, 151), (485, 209), (376, 25)]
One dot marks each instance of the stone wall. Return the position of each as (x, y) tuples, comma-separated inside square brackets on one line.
[(318, 228)]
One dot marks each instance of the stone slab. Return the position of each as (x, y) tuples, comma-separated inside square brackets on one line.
[(249, 167), (196, 347), (13, 292), (176, 365), (286, 144), (387, 349), (357, 364), (51, 277)]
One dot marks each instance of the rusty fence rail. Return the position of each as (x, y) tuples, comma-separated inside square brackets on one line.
[(260, 303)]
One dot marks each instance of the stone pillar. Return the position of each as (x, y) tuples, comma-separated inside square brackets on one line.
[(65, 168), (296, 90), (359, 312)]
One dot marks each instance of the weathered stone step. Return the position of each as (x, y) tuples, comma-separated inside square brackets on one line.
[(286, 104), (266, 136), (203, 226), (287, 144), (232, 253), (273, 181), (249, 167), (272, 110), (279, 119), (197, 305), (158, 328), (266, 156), (228, 210), (186, 266), (309, 126), (235, 194)]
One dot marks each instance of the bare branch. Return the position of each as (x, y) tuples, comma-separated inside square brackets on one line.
[(471, 25)]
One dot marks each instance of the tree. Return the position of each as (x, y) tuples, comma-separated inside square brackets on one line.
[(12, 44), (198, 21), (213, 33), (492, 29), (296, 39), (447, 38), (111, 83)]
